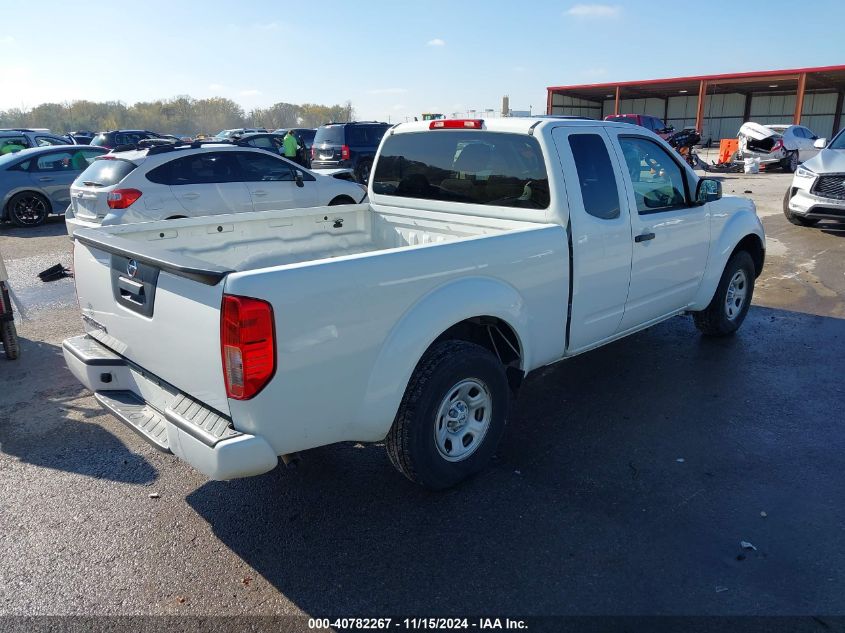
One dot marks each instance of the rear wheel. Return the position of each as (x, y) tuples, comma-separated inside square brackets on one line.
[(792, 217), (730, 304), (451, 417), (28, 209), (341, 200), (9, 335)]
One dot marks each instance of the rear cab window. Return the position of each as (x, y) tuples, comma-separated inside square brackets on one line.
[(331, 135), (475, 167), (105, 172), (595, 175)]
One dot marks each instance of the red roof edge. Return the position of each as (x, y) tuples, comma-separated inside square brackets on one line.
[(748, 75)]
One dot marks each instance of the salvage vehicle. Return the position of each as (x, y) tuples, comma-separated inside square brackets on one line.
[(178, 180), (653, 123), (487, 250), (782, 145), (818, 186)]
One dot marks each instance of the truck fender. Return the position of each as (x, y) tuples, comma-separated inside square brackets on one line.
[(420, 326), (726, 236)]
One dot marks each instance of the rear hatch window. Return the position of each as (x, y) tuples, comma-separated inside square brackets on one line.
[(330, 135), (475, 167), (105, 172), (366, 135)]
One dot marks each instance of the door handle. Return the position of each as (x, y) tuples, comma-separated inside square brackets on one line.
[(260, 192), (45, 179), (190, 196), (644, 237)]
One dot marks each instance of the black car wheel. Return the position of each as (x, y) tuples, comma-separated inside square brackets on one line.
[(793, 218), (28, 209)]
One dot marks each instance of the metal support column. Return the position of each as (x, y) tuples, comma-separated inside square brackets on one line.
[(837, 117), (799, 98), (616, 102), (699, 113)]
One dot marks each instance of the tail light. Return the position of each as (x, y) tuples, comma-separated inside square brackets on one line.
[(344, 152), (778, 145), (456, 124), (247, 345), (123, 198)]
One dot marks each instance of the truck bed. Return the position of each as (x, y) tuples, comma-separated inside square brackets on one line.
[(249, 241)]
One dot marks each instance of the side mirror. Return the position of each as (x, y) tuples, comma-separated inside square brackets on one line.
[(820, 143), (298, 179), (708, 190)]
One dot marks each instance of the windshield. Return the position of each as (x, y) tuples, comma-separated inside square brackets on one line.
[(838, 141), (490, 168)]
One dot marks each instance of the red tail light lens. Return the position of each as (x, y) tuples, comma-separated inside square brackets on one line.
[(123, 198), (456, 124), (247, 345), (344, 152), (778, 145)]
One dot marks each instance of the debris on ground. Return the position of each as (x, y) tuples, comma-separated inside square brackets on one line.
[(748, 191), (154, 495), (763, 514), (54, 273), (246, 580), (747, 545)]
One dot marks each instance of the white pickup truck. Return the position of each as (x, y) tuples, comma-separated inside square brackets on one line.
[(487, 249)]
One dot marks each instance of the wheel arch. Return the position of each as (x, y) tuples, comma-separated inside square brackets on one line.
[(464, 310), (741, 231)]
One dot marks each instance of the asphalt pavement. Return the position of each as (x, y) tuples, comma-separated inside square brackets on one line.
[(625, 483)]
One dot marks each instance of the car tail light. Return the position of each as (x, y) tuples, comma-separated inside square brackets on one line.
[(123, 198), (247, 345), (778, 145), (344, 152), (456, 124)]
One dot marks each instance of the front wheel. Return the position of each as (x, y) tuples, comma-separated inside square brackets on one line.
[(730, 304), (452, 415), (790, 163), (792, 217)]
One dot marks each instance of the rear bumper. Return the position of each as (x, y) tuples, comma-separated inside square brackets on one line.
[(72, 223), (170, 420)]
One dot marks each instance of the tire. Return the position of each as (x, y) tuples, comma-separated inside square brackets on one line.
[(790, 163), (428, 440), (341, 200), (362, 172), (28, 208), (723, 317), (9, 335), (793, 218)]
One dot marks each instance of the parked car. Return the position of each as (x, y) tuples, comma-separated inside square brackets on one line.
[(818, 186), (656, 125), (14, 140), (36, 182), (238, 131), (82, 137), (116, 138), (272, 141), (489, 249), (178, 181), (351, 145), (783, 145)]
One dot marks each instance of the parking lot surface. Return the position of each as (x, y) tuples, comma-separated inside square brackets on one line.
[(624, 485)]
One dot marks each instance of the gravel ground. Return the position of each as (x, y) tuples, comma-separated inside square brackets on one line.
[(624, 485)]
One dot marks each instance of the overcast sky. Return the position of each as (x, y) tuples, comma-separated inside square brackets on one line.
[(391, 59)]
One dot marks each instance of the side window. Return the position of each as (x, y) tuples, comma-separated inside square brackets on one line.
[(54, 161), (42, 141), (257, 167), (595, 175), (197, 169), (657, 179), (263, 142)]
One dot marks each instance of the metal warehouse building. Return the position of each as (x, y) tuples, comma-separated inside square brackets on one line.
[(717, 104)]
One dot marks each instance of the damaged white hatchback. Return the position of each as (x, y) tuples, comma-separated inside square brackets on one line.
[(782, 145)]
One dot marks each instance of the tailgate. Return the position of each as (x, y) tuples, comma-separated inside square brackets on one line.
[(158, 309)]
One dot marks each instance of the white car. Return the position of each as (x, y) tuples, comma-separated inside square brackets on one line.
[(781, 144), (172, 181), (488, 249), (818, 187)]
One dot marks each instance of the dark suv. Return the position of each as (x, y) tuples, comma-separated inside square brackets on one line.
[(116, 138), (351, 145)]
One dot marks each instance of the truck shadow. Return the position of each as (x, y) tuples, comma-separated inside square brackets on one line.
[(622, 485), (44, 420)]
